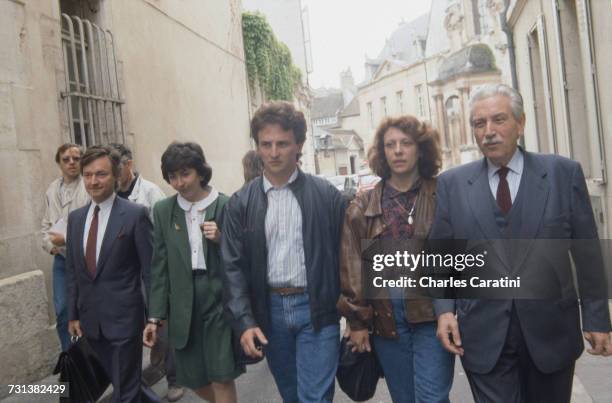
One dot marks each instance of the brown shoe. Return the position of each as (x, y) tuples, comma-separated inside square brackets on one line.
[(175, 393)]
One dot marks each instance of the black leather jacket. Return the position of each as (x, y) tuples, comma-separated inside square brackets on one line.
[(244, 251)]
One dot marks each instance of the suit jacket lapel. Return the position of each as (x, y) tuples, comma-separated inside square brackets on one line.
[(113, 229), (211, 214), (535, 189), (179, 228), (80, 235), (480, 203)]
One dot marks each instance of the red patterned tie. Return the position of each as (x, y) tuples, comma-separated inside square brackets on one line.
[(504, 201), (92, 240)]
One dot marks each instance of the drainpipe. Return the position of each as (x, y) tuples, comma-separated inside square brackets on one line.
[(511, 53), (510, 38)]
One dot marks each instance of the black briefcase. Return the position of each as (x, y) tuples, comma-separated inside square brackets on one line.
[(83, 372)]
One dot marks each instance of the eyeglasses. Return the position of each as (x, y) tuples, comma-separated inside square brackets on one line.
[(66, 160)]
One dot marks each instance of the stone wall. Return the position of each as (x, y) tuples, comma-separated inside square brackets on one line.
[(29, 347)]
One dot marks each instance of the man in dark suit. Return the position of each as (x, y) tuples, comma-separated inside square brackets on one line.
[(518, 350), (108, 255)]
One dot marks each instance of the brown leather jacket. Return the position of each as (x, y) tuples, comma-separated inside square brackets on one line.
[(364, 220)]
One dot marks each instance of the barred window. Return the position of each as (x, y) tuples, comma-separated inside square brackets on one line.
[(92, 96)]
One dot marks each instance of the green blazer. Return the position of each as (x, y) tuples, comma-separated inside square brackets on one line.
[(171, 294)]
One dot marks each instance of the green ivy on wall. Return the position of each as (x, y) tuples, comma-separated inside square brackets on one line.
[(268, 60)]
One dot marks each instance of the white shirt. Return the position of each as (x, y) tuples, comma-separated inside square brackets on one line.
[(513, 177), (103, 215), (67, 190), (194, 217), (286, 262), (146, 193)]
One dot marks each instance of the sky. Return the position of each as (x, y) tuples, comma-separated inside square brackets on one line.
[(343, 32)]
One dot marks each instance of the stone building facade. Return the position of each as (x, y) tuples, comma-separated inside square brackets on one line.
[(563, 58), (428, 67)]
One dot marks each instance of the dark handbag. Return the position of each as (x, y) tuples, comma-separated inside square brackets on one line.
[(358, 373), (82, 370)]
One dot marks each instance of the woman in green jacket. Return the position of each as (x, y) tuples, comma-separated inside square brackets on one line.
[(186, 282)]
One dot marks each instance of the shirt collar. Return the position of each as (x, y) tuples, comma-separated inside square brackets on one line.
[(134, 182), (389, 192), (200, 205), (267, 185), (107, 204), (70, 185), (515, 165)]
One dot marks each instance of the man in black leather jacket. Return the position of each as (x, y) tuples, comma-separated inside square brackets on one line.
[(280, 245)]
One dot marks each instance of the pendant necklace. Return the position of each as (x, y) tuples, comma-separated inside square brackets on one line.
[(410, 220)]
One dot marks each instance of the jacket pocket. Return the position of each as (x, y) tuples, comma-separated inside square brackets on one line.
[(559, 219)]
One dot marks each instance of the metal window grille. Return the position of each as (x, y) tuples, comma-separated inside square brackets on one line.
[(93, 100)]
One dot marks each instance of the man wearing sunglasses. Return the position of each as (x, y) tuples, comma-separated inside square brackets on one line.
[(65, 194)]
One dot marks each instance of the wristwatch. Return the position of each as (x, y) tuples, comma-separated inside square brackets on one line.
[(155, 321)]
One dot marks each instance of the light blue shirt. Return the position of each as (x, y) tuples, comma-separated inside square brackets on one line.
[(286, 262), (514, 174)]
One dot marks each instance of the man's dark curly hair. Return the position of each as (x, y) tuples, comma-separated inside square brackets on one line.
[(282, 113), (185, 155), (427, 139)]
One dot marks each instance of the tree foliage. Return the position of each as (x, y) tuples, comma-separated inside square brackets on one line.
[(268, 60)]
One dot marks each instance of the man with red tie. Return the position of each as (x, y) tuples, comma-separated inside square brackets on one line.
[(522, 349), (108, 255)]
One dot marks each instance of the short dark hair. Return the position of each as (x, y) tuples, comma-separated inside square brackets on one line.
[(185, 155), (427, 139), (282, 113), (66, 146), (98, 151), (123, 150), (252, 166)]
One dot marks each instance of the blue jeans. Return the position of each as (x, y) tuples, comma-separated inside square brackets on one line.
[(417, 368), (302, 360), (60, 300)]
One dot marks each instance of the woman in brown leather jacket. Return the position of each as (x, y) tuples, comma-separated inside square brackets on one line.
[(406, 155)]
